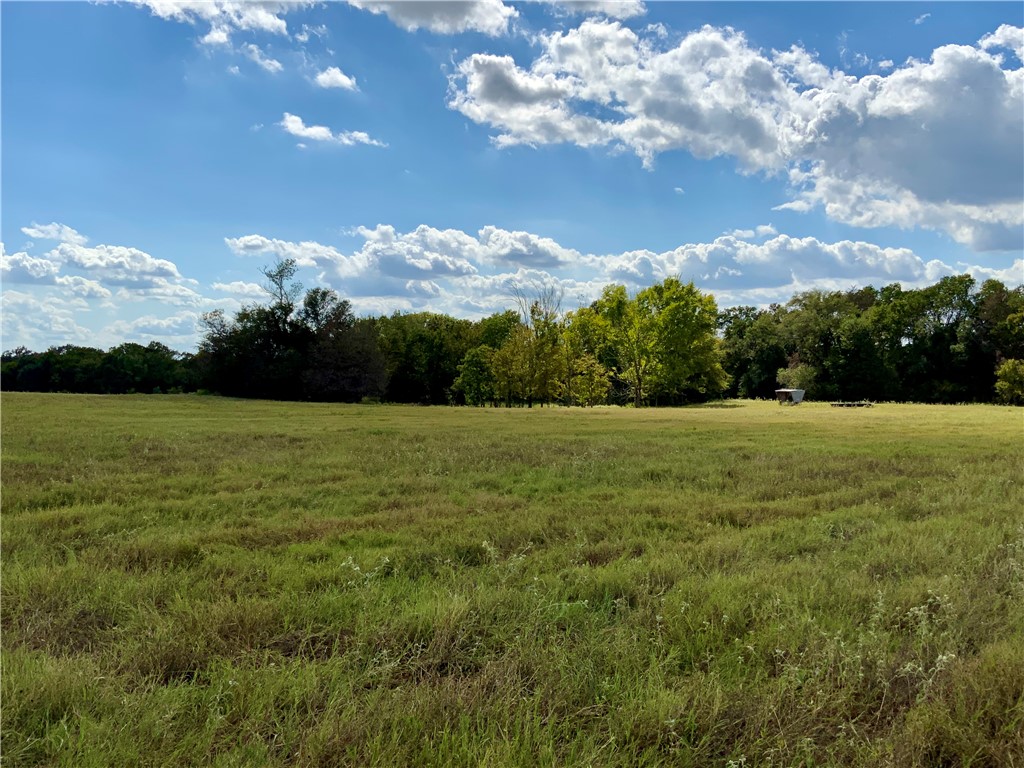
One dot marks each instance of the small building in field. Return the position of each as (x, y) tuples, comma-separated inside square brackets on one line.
[(789, 396)]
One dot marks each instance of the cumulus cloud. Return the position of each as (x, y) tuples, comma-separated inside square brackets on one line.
[(294, 125), (1012, 275), (463, 273), (180, 326), (424, 253), (332, 77), (762, 230), (40, 322), (241, 288), (490, 17), (94, 272), (1007, 36), (82, 286), (738, 271), (54, 231), (936, 144), (21, 268), (116, 264), (712, 94), (450, 270), (225, 15), (254, 53), (216, 36)]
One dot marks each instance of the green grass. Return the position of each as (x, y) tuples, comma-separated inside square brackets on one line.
[(201, 581)]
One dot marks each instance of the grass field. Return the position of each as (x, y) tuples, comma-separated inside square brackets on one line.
[(201, 581)]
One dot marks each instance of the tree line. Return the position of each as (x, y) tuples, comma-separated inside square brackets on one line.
[(667, 344), (950, 342)]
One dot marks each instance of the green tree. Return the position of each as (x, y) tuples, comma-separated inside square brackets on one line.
[(798, 376), (689, 350), (633, 331), (512, 368), (1010, 382), (476, 379), (493, 331), (664, 339), (752, 350), (591, 381), (423, 352)]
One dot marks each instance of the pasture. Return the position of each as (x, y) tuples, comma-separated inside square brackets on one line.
[(202, 581)]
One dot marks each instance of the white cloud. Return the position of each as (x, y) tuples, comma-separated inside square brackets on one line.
[(491, 17), (613, 9), (116, 264), (39, 322), (134, 274), (500, 246), (21, 268), (181, 326), (731, 264), (1006, 36), (54, 231), (936, 144), (308, 31), (82, 286), (885, 64), (306, 253), (922, 18), (226, 14), (445, 270), (332, 77), (216, 36), (163, 290), (679, 190), (254, 53), (761, 230), (1012, 275), (710, 95), (294, 125), (462, 273), (241, 288), (389, 261)]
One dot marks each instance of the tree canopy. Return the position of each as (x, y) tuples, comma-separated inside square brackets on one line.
[(667, 344)]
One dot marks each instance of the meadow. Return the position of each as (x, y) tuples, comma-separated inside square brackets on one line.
[(195, 580)]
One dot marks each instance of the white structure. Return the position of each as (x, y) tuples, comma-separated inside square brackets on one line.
[(789, 396)]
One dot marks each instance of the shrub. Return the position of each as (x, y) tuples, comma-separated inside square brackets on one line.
[(1010, 382)]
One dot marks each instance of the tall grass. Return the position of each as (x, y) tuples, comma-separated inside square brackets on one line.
[(201, 581)]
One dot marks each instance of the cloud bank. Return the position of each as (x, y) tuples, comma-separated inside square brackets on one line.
[(936, 144)]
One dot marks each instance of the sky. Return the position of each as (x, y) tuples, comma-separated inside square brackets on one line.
[(435, 156)]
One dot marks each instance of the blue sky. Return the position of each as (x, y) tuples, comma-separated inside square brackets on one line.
[(433, 155)]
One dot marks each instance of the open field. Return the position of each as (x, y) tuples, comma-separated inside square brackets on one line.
[(201, 581)]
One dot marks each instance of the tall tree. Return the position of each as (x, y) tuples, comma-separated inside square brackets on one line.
[(664, 339)]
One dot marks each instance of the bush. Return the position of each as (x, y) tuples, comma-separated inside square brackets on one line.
[(801, 376), (1010, 382)]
